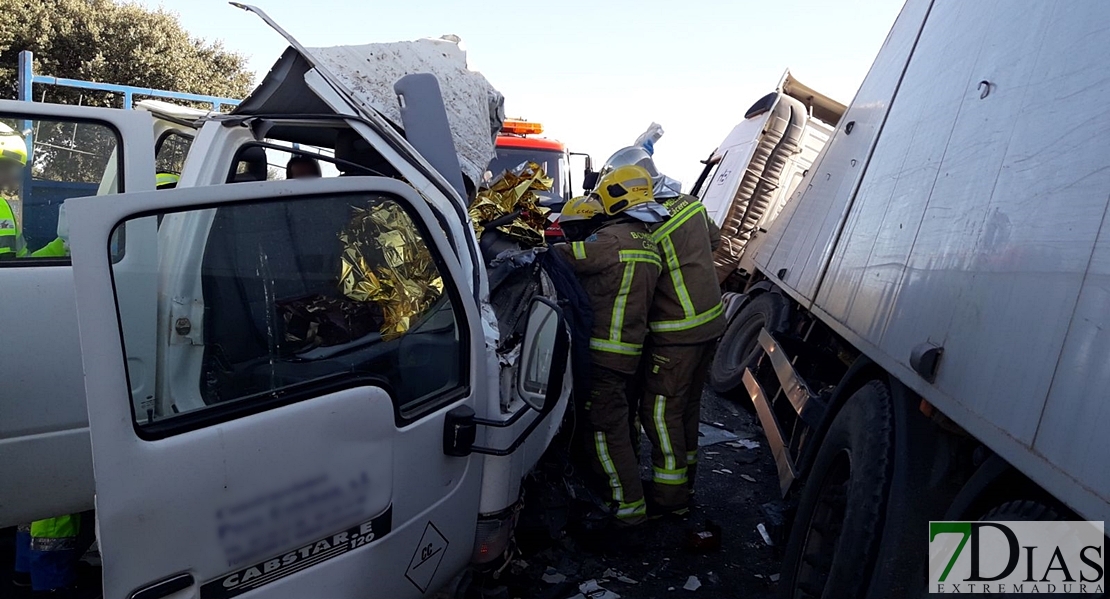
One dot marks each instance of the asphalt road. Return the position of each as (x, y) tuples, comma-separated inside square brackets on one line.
[(736, 489)]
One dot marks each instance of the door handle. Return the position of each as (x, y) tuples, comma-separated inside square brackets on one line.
[(162, 588)]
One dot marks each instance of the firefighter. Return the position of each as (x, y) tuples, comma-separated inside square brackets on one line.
[(685, 320), (613, 254)]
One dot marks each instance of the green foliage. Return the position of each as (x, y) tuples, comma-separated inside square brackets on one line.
[(108, 42), (111, 42)]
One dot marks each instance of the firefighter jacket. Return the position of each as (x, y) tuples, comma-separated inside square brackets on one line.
[(619, 268), (687, 306)]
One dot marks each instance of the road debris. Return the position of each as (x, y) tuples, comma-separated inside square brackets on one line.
[(726, 470), (763, 533), (692, 584), (774, 578), (592, 590), (552, 576), (748, 478), (712, 434), (705, 539)]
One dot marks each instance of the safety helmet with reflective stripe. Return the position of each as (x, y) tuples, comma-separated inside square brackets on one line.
[(12, 145), (624, 187), (580, 209), (166, 180)]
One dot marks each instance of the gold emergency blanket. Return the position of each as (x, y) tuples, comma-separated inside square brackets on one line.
[(386, 261), (515, 190)]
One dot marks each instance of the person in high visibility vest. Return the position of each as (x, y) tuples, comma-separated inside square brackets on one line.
[(618, 265), (47, 551), (685, 320), (13, 159)]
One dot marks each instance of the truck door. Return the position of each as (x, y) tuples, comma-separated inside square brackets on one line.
[(54, 152), (303, 454)]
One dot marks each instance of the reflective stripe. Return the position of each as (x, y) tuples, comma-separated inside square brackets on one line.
[(670, 326), (52, 544), (691, 457), (621, 302), (579, 249), (608, 466), (632, 510), (676, 221), (675, 270), (661, 429), (641, 256), (616, 347), (669, 477)]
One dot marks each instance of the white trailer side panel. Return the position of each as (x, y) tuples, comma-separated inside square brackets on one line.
[(801, 240), (926, 255), (980, 226)]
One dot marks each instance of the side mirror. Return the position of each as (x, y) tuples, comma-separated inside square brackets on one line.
[(539, 383), (589, 179), (537, 358)]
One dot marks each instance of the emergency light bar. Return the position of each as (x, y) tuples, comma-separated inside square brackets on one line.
[(521, 127)]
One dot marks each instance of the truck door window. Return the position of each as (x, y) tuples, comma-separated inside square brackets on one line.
[(257, 163), (170, 152), (299, 296), (43, 163)]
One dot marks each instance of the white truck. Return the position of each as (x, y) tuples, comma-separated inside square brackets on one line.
[(289, 388), (922, 329)]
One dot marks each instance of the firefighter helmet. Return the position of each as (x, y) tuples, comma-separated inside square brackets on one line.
[(624, 187), (580, 209)]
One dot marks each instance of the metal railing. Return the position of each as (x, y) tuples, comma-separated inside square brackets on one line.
[(28, 78)]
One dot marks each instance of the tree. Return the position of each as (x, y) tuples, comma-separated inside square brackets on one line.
[(109, 42)]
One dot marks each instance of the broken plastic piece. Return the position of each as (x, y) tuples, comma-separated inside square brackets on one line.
[(692, 584), (553, 577), (592, 590), (705, 539), (763, 533)]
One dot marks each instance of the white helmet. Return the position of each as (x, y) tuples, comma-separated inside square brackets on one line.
[(664, 186)]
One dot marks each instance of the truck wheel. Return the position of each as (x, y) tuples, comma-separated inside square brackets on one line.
[(1020, 511), (835, 538), (741, 340)]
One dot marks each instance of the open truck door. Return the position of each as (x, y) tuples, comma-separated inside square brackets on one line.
[(72, 151), (305, 456)]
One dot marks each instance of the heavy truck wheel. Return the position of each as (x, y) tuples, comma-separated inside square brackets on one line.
[(834, 541), (741, 340)]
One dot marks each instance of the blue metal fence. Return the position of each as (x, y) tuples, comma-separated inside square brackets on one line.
[(39, 224), (27, 79)]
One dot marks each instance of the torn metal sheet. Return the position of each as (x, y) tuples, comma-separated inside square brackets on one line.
[(475, 110)]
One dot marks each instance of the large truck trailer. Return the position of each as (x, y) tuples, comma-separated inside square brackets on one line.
[(922, 329)]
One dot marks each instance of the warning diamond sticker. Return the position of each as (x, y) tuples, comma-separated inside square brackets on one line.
[(427, 557)]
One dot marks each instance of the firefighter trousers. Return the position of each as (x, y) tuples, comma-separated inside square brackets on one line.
[(670, 413), (612, 457)]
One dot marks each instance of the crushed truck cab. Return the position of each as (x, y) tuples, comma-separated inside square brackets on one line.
[(300, 388)]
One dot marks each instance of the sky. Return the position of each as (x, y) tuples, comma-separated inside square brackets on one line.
[(596, 73)]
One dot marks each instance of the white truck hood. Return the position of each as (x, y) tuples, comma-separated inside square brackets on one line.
[(475, 110)]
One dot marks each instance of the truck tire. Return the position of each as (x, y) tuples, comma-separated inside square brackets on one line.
[(834, 540), (741, 339), (1020, 511)]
